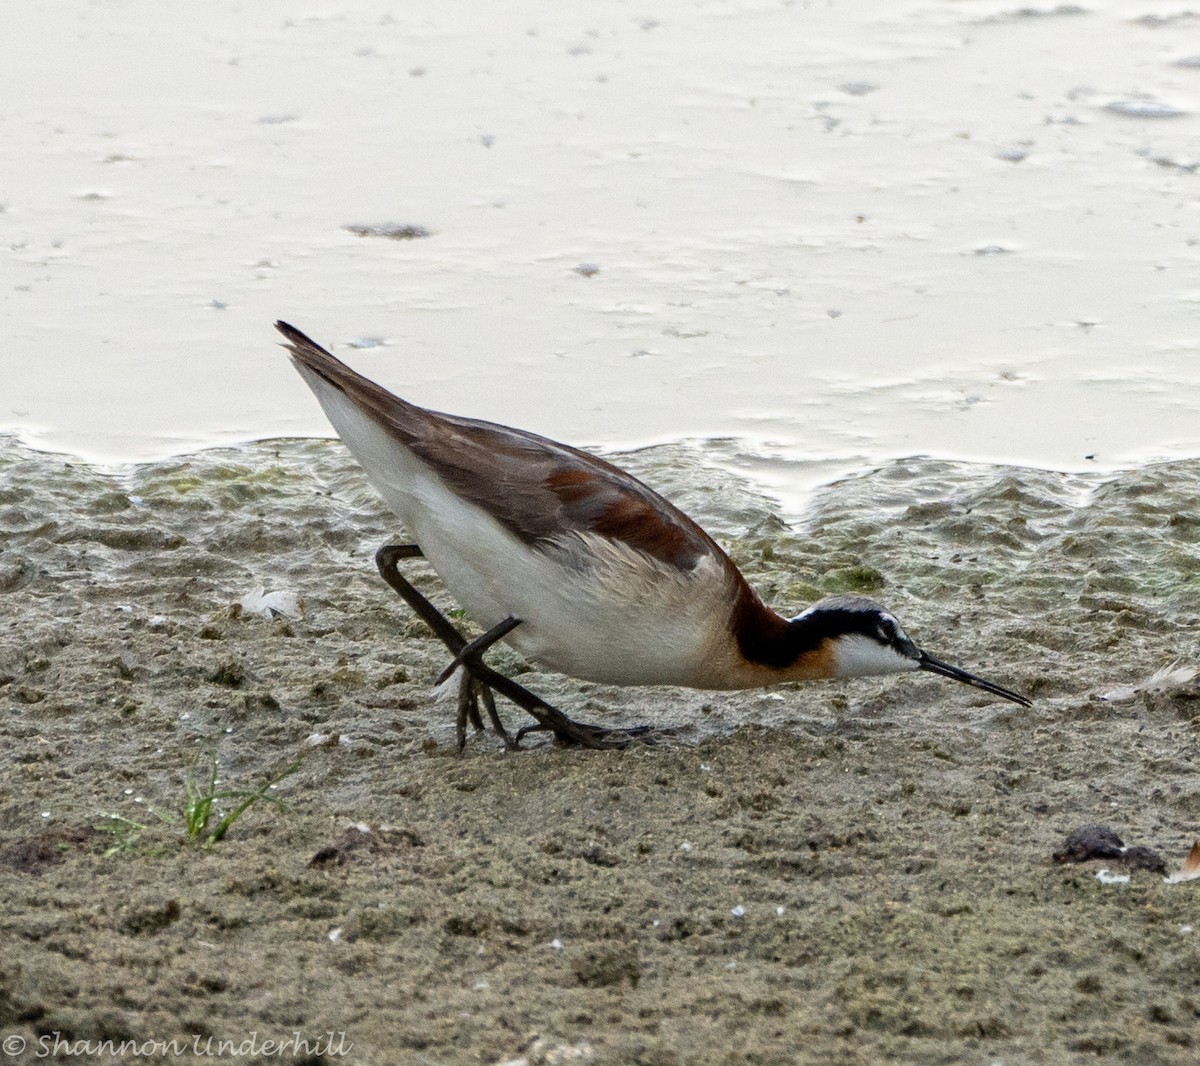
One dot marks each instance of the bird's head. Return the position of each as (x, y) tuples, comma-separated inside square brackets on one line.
[(864, 639)]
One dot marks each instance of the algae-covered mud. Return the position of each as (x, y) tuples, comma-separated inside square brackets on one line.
[(836, 873)]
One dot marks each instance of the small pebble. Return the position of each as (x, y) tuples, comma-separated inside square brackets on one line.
[(1090, 842)]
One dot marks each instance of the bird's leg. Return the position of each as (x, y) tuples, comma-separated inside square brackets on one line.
[(470, 689), (386, 559), (477, 672), (549, 717), (473, 651)]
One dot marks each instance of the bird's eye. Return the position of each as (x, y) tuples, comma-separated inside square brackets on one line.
[(886, 630)]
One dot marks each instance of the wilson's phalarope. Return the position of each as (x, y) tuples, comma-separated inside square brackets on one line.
[(580, 567)]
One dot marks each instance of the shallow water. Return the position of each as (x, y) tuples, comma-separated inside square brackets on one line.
[(832, 231)]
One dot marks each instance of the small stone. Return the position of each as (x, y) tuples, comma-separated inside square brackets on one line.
[(1143, 858), (1090, 842)]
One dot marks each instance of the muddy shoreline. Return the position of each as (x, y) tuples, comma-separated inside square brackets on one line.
[(852, 873)]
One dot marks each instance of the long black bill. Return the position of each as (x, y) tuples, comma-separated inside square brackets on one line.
[(936, 666)]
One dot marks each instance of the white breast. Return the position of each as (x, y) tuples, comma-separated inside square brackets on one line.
[(590, 607)]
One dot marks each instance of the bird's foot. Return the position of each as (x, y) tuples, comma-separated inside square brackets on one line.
[(583, 735), (472, 692)]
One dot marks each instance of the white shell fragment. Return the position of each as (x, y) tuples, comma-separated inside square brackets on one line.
[(1107, 877), (269, 604), (1163, 680)]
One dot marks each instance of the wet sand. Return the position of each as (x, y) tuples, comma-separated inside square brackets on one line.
[(835, 873)]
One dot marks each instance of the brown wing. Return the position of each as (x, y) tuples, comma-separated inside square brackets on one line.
[(535, 487)]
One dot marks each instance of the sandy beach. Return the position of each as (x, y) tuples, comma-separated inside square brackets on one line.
[(831, 873)]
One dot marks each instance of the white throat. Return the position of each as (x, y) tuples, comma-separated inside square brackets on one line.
[(860, 656)]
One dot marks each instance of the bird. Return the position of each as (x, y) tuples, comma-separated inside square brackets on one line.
[(580, 567)]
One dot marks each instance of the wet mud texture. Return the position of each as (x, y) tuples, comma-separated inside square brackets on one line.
[(837, 873)]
